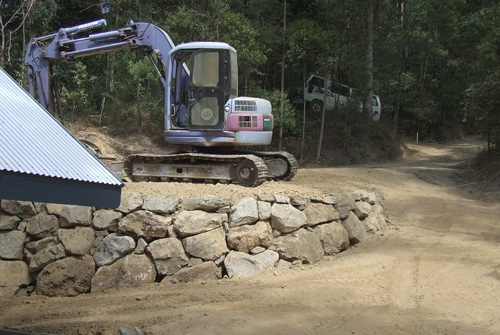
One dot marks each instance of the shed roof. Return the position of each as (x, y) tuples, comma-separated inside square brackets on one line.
[(35, 149)]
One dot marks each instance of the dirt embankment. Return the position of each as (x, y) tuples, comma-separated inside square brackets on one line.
[(438, 274)]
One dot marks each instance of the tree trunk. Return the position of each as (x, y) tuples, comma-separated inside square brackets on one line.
[(139, 111), (367, 105), (282, 80), (304, 109)]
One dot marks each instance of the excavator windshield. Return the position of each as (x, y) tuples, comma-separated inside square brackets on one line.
[(212, 81)]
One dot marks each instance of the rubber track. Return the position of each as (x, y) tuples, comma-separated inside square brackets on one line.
[(145, 158), (293, 165)]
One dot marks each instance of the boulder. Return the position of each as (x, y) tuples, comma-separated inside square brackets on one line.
[(46, 256), (300, 245), (241, 265), (9, 222), (37, 246), (266, 197), (343, 204), (163, 204), (113, 247), (264, 210), (244, 211), (333, 237), (267, 259), (42, 225), (106, 219), (23, 209), (77, 241), (67, 277), (72, 215), (54, 209), (195, 222), (298, 200), (375, 221), (132, 270), (208, 246), (207, 203), (317, 213), (245, 238), (168, 255), (12, 244), (201, 272), (130, 201), (281, 199), (14, 274), (355, 228), (99, 236), (144, 224), (362, 209), (287, 218), (141, 246)]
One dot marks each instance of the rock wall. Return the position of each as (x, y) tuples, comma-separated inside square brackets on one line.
[(62, 250)]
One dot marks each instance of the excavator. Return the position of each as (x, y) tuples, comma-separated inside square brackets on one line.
[(202, 109)]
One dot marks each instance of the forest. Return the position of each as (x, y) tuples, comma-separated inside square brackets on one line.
[(434, 64)]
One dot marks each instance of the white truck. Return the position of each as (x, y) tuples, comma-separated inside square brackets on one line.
[(336, 93)]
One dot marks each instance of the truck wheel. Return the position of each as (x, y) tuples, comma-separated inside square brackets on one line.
[(316, 106)]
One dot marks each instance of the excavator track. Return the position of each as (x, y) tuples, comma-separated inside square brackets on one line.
[(281, 165), (243, 169)]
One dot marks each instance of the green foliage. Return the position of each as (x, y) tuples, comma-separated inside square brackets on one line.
[(436, 62)]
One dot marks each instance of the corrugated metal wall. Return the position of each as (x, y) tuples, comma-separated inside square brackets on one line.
[(33, 142)]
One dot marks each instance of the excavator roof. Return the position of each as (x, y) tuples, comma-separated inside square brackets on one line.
[(202, 45)]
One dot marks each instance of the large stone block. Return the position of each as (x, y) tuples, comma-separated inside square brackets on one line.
[(9, 222), (162, 204), (195, 222), (244, 211), (208, 246), (132, 270), (287, 218), (23, 209), (333, 237), (362, 209), (42, 225), (355, 228), (207, 203), (300, 245), (106, 219), (46, 256), (14, 274), (67, 277), (12, 244), (241, 265), (130, 201), (112, 248), (317, 213), (72, 215), (343, 204), (168, 255), (77, 241), (144, 224), (245, 238), (201, 272)]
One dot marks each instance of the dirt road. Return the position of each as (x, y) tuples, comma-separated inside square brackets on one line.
[(438, 274)]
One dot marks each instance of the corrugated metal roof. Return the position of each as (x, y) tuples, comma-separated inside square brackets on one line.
[(33, 142)]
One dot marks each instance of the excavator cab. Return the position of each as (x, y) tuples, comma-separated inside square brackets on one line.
[(200, 93)]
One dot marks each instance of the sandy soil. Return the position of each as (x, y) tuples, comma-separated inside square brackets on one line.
[(439, 273)]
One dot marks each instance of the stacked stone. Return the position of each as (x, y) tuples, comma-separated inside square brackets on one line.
[(68, 250)]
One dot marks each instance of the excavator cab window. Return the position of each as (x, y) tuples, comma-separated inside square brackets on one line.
[(213, 79)]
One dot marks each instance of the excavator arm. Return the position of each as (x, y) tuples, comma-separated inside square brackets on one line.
[(64, 46)]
